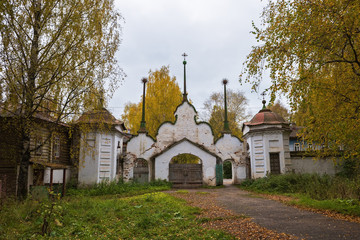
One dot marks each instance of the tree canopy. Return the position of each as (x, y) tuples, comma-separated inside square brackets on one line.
[(214, 111), (311, 49), (162, 96), (56, 57), (280, 109)]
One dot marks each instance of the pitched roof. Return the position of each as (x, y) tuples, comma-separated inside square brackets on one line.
[(41, 115), (101, 115)]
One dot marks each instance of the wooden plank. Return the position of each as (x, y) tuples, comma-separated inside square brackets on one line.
[(274, 163), (185, 174)]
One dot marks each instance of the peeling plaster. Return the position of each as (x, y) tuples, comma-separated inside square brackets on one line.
[(200, 139)]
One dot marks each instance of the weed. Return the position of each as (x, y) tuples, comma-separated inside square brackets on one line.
[(148, 216), (121, 188), (182, 191)]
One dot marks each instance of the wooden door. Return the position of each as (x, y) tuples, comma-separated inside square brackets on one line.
[(274, 163), (141, 171), (185, 175)]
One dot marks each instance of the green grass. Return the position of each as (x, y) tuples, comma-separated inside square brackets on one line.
[(120, 188), (348, 207), (325, 192), (149, 216), (182, 191)]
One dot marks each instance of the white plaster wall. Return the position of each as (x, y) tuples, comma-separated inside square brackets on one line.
[(141, 146), (286, 141), (185, 127), (240, 174), (118, 139), (57, 175), (30, 176), (257, 156), (208, 162), (231, 148), (89, 159), (274, 144), (311, 165), (227, 147), (261, 145)]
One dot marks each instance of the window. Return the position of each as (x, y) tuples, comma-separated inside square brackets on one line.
[(56, 146), (310, 146), (38, 146), (297, 146)]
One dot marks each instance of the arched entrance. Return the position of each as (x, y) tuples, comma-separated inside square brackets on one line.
[(185, 171), (228, 173), (141, 170)]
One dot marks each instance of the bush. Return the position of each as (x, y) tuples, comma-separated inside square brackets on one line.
[(227, 170), (315, 186)]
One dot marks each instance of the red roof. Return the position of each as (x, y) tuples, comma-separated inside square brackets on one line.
[(266, 116)]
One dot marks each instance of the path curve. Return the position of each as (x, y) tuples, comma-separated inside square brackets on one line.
[(282, 218)]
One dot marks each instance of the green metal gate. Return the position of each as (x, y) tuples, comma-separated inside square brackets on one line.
[(219, 174)]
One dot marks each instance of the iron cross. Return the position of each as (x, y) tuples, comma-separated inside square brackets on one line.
[(184, 55), (263, 94)]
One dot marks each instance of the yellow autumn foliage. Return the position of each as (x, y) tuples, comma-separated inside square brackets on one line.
[(162, 96), (311, 49)]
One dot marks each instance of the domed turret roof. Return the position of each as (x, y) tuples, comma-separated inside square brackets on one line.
[(266, 116)]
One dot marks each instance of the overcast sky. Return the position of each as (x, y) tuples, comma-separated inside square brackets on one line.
[(214, 33)]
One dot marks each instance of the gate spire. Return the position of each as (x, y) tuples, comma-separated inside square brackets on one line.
[(143, 122), (263, 101), (226, 122), (185, 93)]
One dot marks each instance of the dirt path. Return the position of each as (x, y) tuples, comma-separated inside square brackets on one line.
[(286, 219)]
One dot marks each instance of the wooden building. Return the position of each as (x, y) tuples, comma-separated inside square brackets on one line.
[(49, 151)]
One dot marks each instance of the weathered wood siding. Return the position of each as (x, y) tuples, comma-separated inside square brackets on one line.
[(10, 149)]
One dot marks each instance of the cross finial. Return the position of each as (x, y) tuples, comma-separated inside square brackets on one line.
[(184, 55), (263, 101), (185, 93)]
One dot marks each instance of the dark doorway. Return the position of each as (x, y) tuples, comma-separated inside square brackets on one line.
[(141, 171), (274, 163), (227, 170), (185, 171)]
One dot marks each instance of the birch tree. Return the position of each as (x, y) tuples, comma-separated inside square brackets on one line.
[(311, 49), (56, 56)]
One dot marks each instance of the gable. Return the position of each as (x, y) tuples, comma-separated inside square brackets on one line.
[(186, 146), (185, 126)]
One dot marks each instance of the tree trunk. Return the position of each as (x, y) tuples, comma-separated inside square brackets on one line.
[(24, 168), (28, 109)]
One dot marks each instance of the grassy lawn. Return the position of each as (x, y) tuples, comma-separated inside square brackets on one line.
[(153, 215), (325, 192)]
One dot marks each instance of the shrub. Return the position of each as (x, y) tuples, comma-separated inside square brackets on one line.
[(315, 186)]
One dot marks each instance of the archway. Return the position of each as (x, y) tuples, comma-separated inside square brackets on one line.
[(228, 172), (141, 171), (185, 171)]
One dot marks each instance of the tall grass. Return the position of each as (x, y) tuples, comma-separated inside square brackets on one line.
[(335, 193), (320, 187), (120, 188), (148, 216)]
